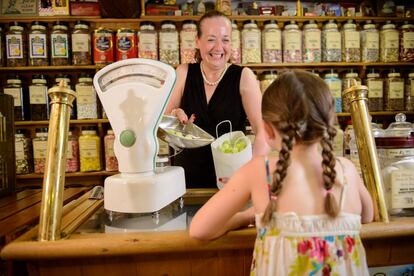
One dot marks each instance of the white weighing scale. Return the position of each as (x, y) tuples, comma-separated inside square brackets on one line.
[(134, 94)]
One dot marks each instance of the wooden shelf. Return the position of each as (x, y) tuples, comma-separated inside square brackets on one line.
[(76, 174), (75, 122), (259, 18), (378, 113), (51, 68)]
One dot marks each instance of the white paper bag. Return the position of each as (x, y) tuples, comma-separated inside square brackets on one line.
[(226, 164)]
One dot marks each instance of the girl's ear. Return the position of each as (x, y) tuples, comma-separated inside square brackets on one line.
[(269, 130)]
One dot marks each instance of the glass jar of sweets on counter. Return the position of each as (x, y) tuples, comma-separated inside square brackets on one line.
[(40, 150), (23, 152), (21, 99), (169, 44), (86, 99), (89, 150), (16, 46), (39, 100), (38, 52), (394, 92), (59, 44), (81, 44)]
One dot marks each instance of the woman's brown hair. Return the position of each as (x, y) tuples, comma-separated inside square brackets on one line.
[(300, 106), (209, 14)]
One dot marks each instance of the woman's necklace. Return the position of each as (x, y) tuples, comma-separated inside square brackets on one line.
[(212, 83)]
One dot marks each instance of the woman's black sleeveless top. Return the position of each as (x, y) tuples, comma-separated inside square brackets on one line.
[(225, 104)]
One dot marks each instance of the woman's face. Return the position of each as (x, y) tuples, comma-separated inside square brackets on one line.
[(215, 41)]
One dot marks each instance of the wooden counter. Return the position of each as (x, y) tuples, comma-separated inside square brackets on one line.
[(174, 253)]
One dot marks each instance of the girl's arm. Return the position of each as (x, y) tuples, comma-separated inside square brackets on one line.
[(367, 204), (252, 100), (221, 213)]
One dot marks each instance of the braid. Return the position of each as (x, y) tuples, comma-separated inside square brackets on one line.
[(288, 132), (329, 173)]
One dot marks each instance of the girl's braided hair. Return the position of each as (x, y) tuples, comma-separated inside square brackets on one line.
[(300, 106)]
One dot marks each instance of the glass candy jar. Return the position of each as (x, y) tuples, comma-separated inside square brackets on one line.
[(407, 42), (389, 43), (23, 152), (188, 36), (375, 86), (111, 163), (81, 44), (38, 52), (235, 56), (335, 86), (40, 150), (351, 48), (86, 99), (409, 92), (347, 82), (271, 42), (169, 45), (148, 41), (14, 88), (251, 43), (72, 155), (39, 100), (370, 43), (59, 44), (331, 42), (89, 150), (312, 48), (292, 43), (394, 92), (16, 46)]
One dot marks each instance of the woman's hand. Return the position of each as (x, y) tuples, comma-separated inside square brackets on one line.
[(180, 114)]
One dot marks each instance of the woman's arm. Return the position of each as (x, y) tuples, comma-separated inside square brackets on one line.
[(173, 106), (252, 101)]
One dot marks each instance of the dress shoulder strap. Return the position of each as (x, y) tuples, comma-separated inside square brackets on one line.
[(344, 184)]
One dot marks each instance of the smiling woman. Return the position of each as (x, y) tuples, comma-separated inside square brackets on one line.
[(214, 90)]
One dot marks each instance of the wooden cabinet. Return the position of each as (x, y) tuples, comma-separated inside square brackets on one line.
[(114, 24)]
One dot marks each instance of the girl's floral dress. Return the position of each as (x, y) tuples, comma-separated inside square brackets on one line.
[(293, 245)]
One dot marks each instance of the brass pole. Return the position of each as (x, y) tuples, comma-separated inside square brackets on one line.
[(54, 177), (356, 97)]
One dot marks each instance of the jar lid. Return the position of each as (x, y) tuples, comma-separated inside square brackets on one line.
[(331, 75), (351, 75), (16, 28), (39, 81), (330, 25), (271, 25), (192, 22), (14, 81), (373, 75), (411, 75), (125, 30), (36, 25), (85, 79), (81, 25), (234, 25), (57, 80), (369, 26), (407, 26), (102, 30), (310, 26), (388, 26), (350, 25), (88, 132), (376, 130), (393, 74), (400, 128), (292, 26)]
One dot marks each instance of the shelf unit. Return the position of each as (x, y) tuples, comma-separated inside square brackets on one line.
[(93, 178)]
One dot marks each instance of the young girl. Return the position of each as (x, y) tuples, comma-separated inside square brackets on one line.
[(307, 204)]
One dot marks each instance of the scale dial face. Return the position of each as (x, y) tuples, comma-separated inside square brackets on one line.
[(136, 73)]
